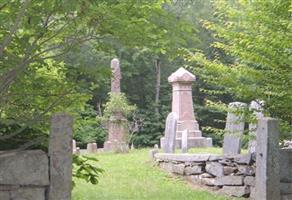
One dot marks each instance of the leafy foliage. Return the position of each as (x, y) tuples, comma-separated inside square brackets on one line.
[(87, 128), (258, 36), (84, 170), (118, 103)]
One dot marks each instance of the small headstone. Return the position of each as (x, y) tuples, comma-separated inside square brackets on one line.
[(257, 110), (77, 150), (74, 146), (170, 131), (234, 129), (184, 141), (156, 146), (88, 148), (91, 148), (132, 146), (152, 153), (122, 147)]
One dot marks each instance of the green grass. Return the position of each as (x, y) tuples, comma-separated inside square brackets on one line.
[(212, 150), (133, 177)]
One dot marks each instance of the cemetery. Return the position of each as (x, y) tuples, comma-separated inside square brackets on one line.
[(139, 100)]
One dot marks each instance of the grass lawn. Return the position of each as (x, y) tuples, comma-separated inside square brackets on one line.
[(133, 177)]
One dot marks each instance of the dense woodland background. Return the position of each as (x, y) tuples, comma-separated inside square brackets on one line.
[(55, 56)]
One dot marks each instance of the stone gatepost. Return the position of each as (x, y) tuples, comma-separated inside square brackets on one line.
[(257, 109), (267, 160), (234, 129), (182, 105), (60, 154), (117, 125)]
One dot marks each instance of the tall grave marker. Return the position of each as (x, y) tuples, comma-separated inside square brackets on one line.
[(234, 129), (117, 125), (257, 110), (182, 105), (170, 131)]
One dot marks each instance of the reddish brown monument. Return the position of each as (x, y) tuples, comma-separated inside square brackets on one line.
[(116, 78), (182, 105), (117, 125)]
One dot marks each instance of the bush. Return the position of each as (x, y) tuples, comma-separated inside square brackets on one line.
[(88, 128)]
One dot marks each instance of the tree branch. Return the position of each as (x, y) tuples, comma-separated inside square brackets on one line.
[(34, 120), (7, 39)]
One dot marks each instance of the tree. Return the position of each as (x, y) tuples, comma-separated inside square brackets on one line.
[(36, 78), (257, 34)]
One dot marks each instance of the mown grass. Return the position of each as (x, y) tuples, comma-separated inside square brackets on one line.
[(133, 177)]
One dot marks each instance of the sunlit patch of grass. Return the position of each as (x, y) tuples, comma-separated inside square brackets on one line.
[(133, 177), (211, 150)]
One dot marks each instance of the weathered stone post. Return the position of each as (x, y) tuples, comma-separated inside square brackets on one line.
[(170, 131), (257, 110), (117, 125), (234, 129), (60, 154), (182, 105), (267, 160)]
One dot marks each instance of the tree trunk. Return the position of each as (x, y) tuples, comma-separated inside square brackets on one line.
[(157, 86), (98, 108)]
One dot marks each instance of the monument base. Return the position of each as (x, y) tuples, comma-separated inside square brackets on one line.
[(115, 146), (192, 142), (191, 125)]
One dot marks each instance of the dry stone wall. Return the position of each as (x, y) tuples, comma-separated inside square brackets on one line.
[(36, 175), (265, 174), (24, 175), (232, 175)]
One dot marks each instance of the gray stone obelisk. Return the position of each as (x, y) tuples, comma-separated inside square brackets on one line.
[(234, 129)]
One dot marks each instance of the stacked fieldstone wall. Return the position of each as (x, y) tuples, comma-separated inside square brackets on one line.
[(24, 175), (232, 175), (37, 175), (263, 175)]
